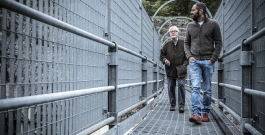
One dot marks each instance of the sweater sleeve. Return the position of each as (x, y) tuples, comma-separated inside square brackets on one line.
[(218, 42), (187, 43)]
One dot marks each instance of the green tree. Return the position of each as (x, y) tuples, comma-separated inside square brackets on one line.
[(178, 7)]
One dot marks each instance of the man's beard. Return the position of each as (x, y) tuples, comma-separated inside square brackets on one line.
[(196, 17)]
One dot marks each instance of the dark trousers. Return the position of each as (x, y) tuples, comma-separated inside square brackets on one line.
[(181, 92)]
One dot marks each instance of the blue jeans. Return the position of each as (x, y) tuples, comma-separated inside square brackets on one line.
[(201, 70)]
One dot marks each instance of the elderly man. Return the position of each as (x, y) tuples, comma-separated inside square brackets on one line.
[(173, 56)]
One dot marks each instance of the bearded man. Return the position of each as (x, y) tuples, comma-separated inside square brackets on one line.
[(203, 44)]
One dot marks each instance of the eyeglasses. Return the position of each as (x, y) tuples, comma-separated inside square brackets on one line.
[(173, 31)]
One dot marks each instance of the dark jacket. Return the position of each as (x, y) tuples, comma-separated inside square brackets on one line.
[(203, 42), (177, 58)]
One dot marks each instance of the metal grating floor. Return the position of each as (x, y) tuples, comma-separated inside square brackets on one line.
[(161, 121)]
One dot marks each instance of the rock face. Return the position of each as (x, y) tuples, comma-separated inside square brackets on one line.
[(180, 23)]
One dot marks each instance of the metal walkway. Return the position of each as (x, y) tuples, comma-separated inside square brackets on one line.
[(162, 121)]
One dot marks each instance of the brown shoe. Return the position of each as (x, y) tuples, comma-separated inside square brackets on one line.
[(205, 117), (195, 119), (181, 110)]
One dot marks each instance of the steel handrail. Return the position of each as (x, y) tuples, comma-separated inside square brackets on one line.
[(17, 102), (27, 11)]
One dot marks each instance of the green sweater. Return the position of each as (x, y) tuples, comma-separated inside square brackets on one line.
[(203, 42)]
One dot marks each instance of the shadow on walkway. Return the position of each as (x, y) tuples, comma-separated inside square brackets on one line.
[(161, 121)]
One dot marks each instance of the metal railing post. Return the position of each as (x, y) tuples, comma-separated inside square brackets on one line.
[(144, 79), (245, 62), (155, 77), (113, 81), (220, 70)]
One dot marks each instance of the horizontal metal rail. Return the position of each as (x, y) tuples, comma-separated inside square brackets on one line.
[(248, 41), (155, 94), (231, 51), (97, 126), (17, 102), (27, 11), (131, 52), (160, 80), (214, 99), (254, 37), (154, 81), (230, 86), (215, 83), (130, 85), (130, 108), (22, 9), (111, 119), (237, 117), (255, 93), (12, 103), (251, 129), (151, 81)]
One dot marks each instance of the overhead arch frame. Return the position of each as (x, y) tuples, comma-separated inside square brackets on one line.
[(207, 10), (178, 17)]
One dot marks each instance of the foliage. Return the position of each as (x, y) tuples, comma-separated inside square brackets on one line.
[(177, 7)]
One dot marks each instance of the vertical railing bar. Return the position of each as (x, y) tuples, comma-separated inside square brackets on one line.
[(245, 98), (64, 34), (72, 77), (94, 118), (79, 69), (85, 51), (63, 117), (3, 56), (59, 117), (55, 54), (34, 68), (90, 106), (19, 72), (54, 107), (87, 107), (39, 69), (70, 117), (50, 65), (67, 118), (11, 89), (26, 80), (75, 43), (82, 115), (75, 67), (60, 69), (54, 67), (3, 67), (45, 71), (68, 70), (75, 114), (60, 47)]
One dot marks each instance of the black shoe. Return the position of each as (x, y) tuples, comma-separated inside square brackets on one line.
[(172, 108), (181, 110)]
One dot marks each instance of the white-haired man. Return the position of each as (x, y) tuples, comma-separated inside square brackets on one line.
[(173, 56)]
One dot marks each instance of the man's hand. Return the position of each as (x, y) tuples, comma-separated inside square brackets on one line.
[(191, 59), (167, 62)]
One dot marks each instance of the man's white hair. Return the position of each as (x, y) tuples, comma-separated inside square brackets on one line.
[(173, 27)]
